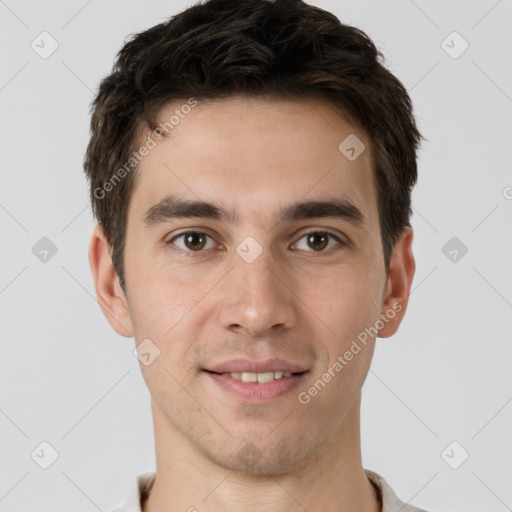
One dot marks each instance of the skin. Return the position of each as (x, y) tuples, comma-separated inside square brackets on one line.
[(295, 301)]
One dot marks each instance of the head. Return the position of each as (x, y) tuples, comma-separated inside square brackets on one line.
[(246, 105)]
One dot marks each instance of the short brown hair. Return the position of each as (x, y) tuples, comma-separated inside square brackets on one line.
[(221, 48)]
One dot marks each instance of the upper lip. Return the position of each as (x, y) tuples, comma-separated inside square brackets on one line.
[(253, 366)]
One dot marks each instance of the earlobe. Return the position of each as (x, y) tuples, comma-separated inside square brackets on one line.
[(398, 287), (109, 293)]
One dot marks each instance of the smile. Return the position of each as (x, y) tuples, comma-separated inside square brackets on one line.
[(257, 387), (258, 377)]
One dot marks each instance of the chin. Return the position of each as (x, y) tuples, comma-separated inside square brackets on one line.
[(263, 457)]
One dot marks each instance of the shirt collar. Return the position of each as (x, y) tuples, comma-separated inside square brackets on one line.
[(390, 502)]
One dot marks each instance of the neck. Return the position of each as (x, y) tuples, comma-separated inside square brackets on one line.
[(334, 480)]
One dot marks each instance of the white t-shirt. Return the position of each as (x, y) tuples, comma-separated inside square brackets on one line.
[(390, 503)]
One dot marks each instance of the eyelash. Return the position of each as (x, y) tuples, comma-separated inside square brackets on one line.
[(193, 254)]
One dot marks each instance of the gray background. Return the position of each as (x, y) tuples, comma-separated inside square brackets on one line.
[(68, 379)]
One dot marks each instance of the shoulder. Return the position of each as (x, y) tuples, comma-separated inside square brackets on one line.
[(138, 492), (390, 501)]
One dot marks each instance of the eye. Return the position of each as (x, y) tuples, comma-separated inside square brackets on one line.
[(319, 240), (192, 241)]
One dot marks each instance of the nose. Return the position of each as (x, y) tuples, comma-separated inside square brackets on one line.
[(257, 297)]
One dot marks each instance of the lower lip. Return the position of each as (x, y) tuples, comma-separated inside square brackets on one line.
[(255, 391)]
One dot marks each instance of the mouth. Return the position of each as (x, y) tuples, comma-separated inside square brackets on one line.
[(260, 377), (257, 387)]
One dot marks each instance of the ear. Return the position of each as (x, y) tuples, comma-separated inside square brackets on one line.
[(396, 295), (109, 293)]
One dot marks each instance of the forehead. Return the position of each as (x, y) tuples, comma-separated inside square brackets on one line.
[(254, 154)]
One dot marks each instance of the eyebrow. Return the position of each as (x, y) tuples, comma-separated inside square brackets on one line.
[(172, 207)]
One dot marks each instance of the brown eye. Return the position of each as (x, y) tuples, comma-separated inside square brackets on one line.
[(192, 241), (318, 241), (195, 241)]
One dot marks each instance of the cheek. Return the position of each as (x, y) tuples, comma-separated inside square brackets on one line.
[(157, 310), (161, 295), (347, 305), (345, 299), (349, 345), (166, 308)]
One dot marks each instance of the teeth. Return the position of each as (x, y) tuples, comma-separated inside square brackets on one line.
[(249, 377), (266, 377), (259, 377)]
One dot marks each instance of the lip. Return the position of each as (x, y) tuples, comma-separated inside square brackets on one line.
[(253, 366), (256, 392)]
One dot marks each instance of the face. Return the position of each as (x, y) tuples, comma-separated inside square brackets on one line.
[(281, 271)]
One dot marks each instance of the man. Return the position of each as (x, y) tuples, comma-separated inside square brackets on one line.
[(251, 165)]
